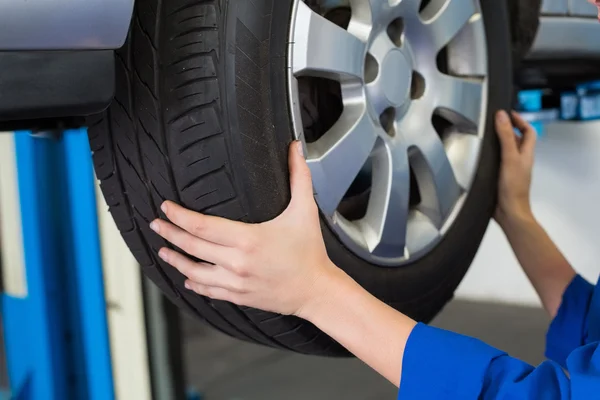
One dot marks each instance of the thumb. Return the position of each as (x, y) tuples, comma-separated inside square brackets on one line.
[(528, 132), (300, 178)]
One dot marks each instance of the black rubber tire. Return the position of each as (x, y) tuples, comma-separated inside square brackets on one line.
[(200, 117)]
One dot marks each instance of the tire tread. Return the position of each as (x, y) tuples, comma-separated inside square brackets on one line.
[(146, 153)]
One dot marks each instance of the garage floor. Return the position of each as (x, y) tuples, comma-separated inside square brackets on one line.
[(226, 369)]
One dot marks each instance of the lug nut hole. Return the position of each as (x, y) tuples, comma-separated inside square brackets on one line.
[(387, 120), (371, 68), (395, 31), (417, 86)]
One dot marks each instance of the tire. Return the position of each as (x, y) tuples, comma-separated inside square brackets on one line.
[(200, 118)]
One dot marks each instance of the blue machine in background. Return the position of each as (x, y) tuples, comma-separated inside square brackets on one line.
[(540, 106), (56, 336)]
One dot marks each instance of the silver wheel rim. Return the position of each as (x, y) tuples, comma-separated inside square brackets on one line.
[(393, 232)]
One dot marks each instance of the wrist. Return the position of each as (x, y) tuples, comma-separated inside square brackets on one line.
[(515, 219), (327, 289)]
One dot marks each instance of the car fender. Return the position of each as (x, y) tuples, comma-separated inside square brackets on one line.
[(64, 24)]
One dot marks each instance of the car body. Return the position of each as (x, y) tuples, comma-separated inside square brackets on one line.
[(64, 25), (567, 29)]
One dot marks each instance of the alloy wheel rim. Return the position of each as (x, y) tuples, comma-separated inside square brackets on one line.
[(386, 63)]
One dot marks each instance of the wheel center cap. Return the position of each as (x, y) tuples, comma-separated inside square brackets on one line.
[(396, 73)]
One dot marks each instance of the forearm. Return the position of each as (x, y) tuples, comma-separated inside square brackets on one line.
[(548, 270), (368, 328)]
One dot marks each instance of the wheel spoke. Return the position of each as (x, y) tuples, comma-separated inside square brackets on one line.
[(367, 15), (445, 18), (468, 54), (461, 96), (421, 232), (438, 186), (384, 226), (336, 158), (323, 49), (463, 152)]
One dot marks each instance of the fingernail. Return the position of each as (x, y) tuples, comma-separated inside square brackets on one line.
[(154, 226), (187, 285), (300, 148), (163, 254), (163, 207), (502, 117)]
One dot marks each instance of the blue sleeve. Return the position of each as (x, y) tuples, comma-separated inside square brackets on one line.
[(569, 329), (438, 364)]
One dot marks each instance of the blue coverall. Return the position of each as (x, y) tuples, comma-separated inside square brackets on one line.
[(442, 365)]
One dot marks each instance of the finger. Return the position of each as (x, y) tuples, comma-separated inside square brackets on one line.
[(214, 229), (506, 134), (212, 292), (203, 273), (200, 248), (597, 5), (529, 134), (300, 178)]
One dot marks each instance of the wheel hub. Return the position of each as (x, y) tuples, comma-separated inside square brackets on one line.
[(414, 125), (396, 73)]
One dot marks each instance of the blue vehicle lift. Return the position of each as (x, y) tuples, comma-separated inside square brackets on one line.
[(56, 336), (55, 333)]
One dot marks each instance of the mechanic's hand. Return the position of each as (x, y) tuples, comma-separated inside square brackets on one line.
[(515, 171), (277, 266)]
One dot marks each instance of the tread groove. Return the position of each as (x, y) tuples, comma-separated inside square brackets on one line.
[(185, 58), (190, 110), (151, 137), (145, 84), (220, 203), (185, 7), (203, 177), (206, 194), (193, 17), (271, 319), (145, 32), (183, 46), (189, 128), (200, 29), (189, 145), (195, 80), (198, 161)]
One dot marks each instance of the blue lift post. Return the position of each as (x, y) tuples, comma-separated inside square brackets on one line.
[(56, 337)]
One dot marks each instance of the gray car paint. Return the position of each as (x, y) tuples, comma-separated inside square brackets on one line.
[(103, 24), (555, 7), (568, 29), (578, 8), (64, 24), (582, 8)]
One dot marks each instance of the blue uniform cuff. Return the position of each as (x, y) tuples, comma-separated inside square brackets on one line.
[(569, 328), (457, 365)]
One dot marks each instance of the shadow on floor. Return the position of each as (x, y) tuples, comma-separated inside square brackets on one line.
[(226, 369)]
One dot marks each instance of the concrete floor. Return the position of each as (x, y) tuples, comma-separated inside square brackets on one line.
[(226, 369)]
